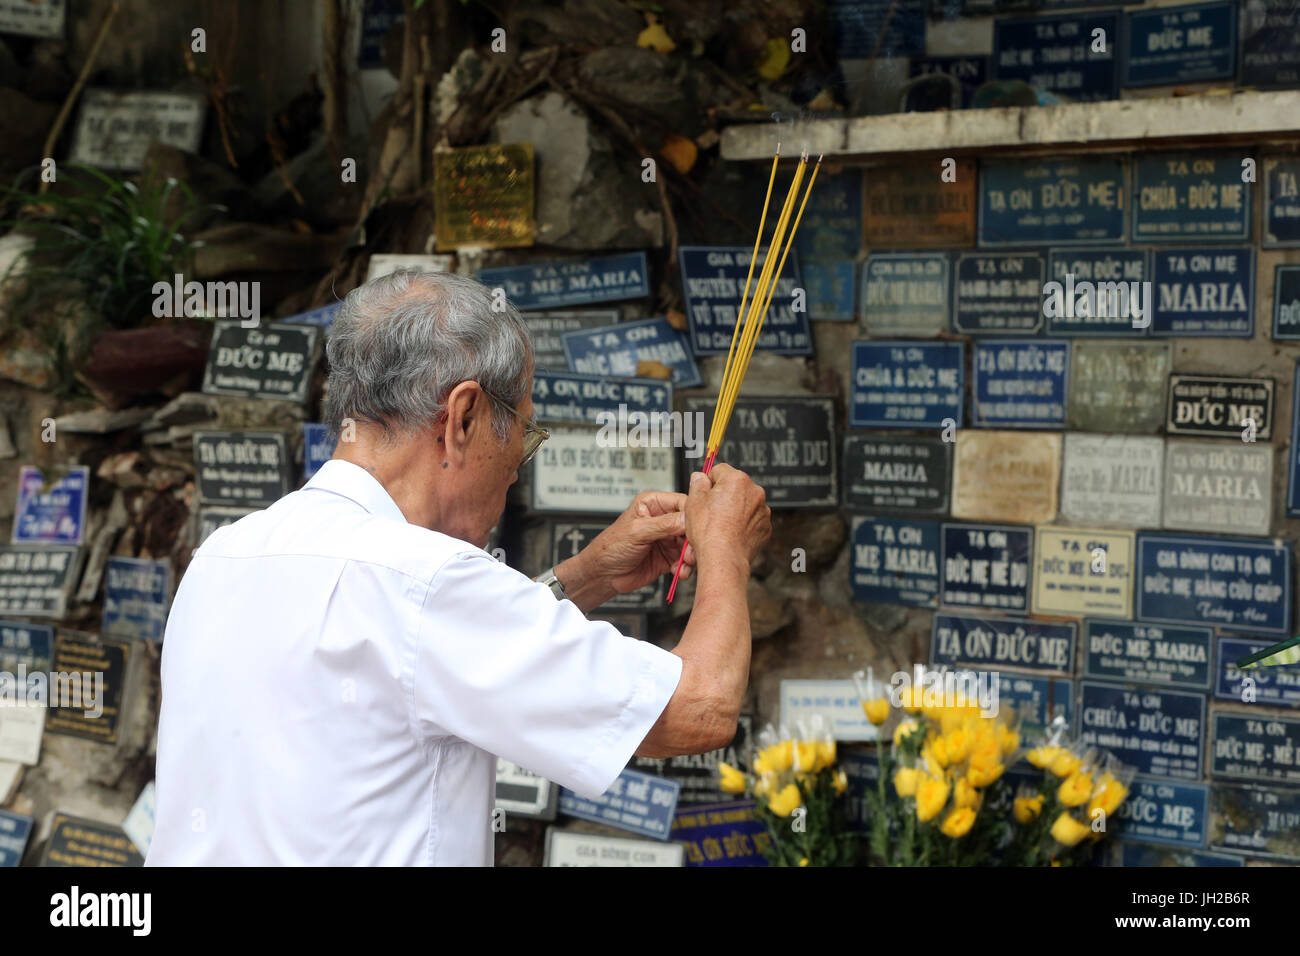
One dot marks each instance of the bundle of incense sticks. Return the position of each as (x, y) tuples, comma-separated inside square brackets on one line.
[(752, 312)]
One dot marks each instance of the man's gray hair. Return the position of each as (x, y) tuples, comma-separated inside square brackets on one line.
[(400, 343)]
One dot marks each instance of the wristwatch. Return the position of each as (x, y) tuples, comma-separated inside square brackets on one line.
[(551, 581)]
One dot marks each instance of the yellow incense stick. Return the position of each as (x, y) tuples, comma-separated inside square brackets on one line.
[(753, 257), (752, 340), (761, 296), (753, 311)]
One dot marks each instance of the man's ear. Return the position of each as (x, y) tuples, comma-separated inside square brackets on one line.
[(466, 411)]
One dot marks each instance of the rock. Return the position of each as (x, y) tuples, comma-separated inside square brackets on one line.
[(768, 374), (48, 77), (114, 523), (253, 413), (100, 421), (768, 613), (121, 470), (322, 198), (833, 587), (7, 449), (455, 84), (176, 435), (248, 247), (211, 183), (605, 23), (183, 409), (24, 124), (126, 364), (639, 77), (885, 618), (11, 74), (14, 263), (586, 198), (692, 22), (22, 361), (820, 535)]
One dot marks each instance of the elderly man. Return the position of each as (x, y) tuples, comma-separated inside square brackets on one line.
[(341, 670)]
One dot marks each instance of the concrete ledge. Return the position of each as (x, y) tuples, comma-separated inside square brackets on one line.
[(1250, 116)]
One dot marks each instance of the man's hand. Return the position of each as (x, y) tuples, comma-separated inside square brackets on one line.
[(642, 544), (728, 515)]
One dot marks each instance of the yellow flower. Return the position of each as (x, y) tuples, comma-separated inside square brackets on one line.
[(805, 755), (931, 795), (986, 750), (932, 710), (825, 753), (877, 710), (1008, 739), (964, 794), (910, 699), (1068, 831), (786, 802), (1075, 790), (764, 784), (775, 758), (983, 773), (958, 822), (1027, 809), (904, 729), (1042, 757), (905, 781), (937, 751), (840, 781), (954, 717), (730, 780), (956, 745), (1107, 795), (1065, 763), (803, 861), (983, 736)]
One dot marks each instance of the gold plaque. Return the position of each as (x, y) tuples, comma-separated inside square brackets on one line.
[(483, 196), (1083, 572), (1007, 476), (911, 207)]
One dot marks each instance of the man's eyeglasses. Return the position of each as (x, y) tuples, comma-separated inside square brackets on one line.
[(534, 434)]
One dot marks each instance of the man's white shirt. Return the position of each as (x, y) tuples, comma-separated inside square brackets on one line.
[(337, 684)]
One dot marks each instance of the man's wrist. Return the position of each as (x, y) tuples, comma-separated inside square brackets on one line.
[(722, 560), (581, 586)]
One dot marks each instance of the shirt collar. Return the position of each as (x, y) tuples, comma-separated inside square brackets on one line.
[(356, 484)]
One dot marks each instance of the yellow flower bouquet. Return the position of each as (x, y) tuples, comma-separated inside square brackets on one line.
[(798, 793), (942, 797), (1063, 818)]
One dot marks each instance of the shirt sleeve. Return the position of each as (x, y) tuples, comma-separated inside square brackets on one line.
[(504, 665)]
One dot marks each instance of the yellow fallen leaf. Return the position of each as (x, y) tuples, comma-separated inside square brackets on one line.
[(656, 38), (679, 151), (653, 370), (773, 59)]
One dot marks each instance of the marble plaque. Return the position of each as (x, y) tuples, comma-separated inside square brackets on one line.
[(1118, 386), (1006, 476)]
